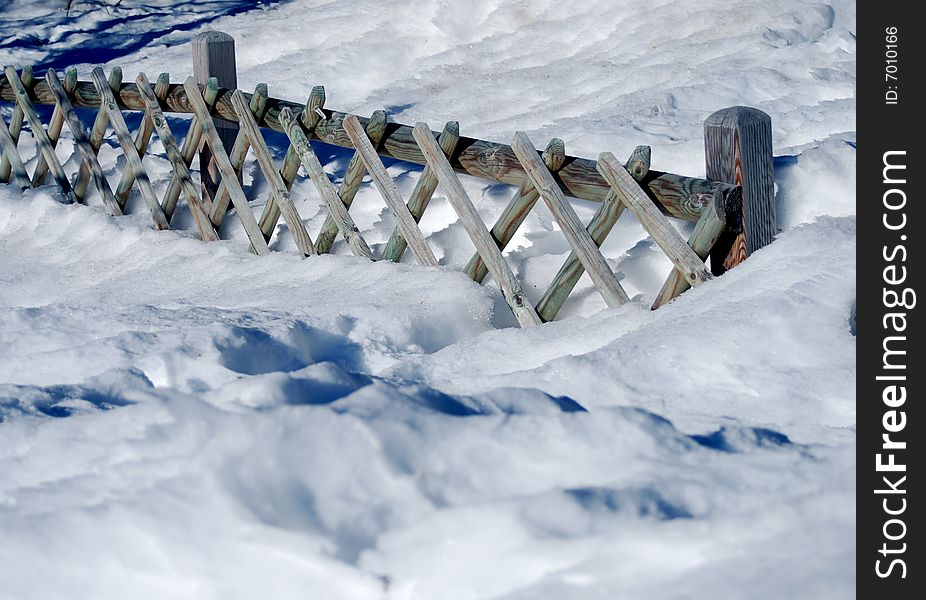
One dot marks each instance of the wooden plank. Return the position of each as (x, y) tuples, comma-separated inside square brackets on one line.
[(142, 138), (655, 223), (675, 195), (258, 243), (517, 209), (191, 144), (16, 123), (82, 142), (475, 228), (353, 176), (599, 227), (11, 154), (585, 248), (424, 189), (54, 129), (237, 156), (133, 161), (214, 56), (177, 161), (300, 144), (277, 187), (738, 150), (385, 185), (96, 135), (706, 233)]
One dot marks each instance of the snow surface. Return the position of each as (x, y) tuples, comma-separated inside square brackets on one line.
[(186, 420)]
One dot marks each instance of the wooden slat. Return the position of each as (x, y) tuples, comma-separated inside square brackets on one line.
[(96, 134), (188, 150), (258, 243), (599, 227), (54, 129), (133, 161), (16, 123), (385, 185), (177, 161), (308, 118), (142, 138), (301, 146), (83, 147), (583, 245), (706, 233), (353, 177), (475, 228), (517, 209), (423, 191), (277, 187), (11, 154), (237, 156), (655, 223)]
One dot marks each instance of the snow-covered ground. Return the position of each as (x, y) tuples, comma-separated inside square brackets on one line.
[(186, 420)]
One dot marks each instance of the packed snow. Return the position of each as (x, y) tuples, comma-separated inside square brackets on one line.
[(186, 420)]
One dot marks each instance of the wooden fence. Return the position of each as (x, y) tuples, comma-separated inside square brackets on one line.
[(734, 209)]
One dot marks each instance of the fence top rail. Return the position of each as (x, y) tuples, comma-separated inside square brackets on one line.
[(676, 195)]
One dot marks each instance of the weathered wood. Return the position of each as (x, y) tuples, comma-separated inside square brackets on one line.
[(188, 150), (385, 185), (142, 138), (706, 233), (133, 161), (655, 223), (54, 129), (16, 123), (596, 265), (214, 56), (738, 150), (96, 135), (475, 228), (424, 189), (82, 142), (353, 177), (258, 243), (11, 154), (237, 156), (599, 227), (675, 195), (277, 187), (301, 146), (177, 161), (517, 209)]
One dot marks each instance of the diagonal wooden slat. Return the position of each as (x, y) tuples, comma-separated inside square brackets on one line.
[(175, 156), (353, 177), (707, 231), (82, 142), (54, 129), (237, 155), (16, 124), (142, 138), (520, 205), (385, 185), (277, 187), (191, 143), (308, 118), (655, 223), (603, 221), (475, 228), (423, 191), (195, 98), (11, 154), (108, 103), (300, 144), (596, 265), (96, 135)]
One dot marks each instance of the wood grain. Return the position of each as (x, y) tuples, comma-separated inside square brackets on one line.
[(142, 138), (16, 123), (96, 133), (54, 129)]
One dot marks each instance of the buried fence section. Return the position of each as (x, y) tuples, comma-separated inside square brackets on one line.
[(733, 211)]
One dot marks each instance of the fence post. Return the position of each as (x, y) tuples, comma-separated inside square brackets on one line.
[(214, 56), (738, 150)]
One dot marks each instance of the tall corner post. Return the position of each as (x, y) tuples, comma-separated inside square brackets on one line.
[(214, 56), (738, 150)]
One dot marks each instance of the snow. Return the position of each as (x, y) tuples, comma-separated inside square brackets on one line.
[(187, 420)]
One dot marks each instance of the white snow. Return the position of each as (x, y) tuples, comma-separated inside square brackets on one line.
[(187, 420)]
